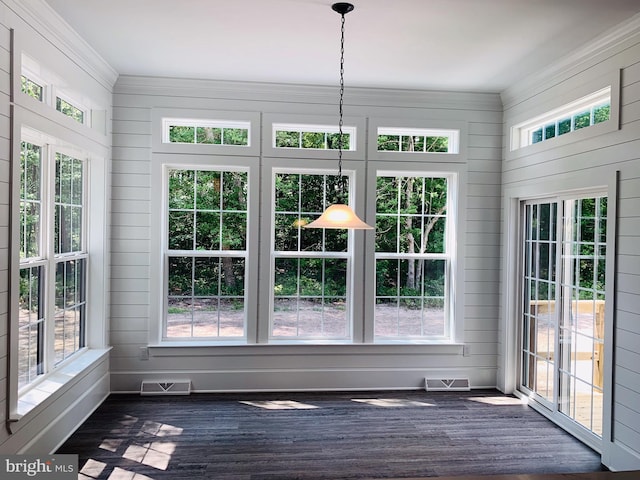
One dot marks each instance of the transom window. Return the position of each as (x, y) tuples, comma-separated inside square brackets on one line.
[(206, 253), (310, 266), (206, 132), (585, 112), (417, 140), (44, 86), (315, 137), (412, 256), (70, 110), (32, 88), (53, 257)]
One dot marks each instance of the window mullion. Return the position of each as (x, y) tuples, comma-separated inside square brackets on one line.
[(49, 212)]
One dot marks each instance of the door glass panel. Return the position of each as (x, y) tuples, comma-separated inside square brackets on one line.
[(539, 313), (582, 321), (564, 304)]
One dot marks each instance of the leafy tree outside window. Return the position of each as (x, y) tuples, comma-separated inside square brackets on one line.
[(206, 133), (310, 266), (206, 253), (31, 88), (51, 251), (312, 137), (412, 261), (584, 118), (70, 110)]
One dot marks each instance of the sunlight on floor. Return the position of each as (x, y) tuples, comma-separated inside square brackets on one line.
[(156, 455), (122, 474), (110, 444), (498, 400), (280, 405), (392, 402), (92, 469), (160, 429)]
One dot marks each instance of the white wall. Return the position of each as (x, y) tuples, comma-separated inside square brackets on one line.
[(290, 367), (593, 161), (38, 31)]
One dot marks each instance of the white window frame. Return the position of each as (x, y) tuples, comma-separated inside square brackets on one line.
[(453, 136), (86, 112), (348, 256), (521, 134), (351, 130), (29, 69), (161, 162), (31, 394), (448, 256), (166, 253), (167, 123), (456, 173), (525, 116)]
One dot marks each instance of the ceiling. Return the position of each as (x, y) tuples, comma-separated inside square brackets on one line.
[(461, 45)]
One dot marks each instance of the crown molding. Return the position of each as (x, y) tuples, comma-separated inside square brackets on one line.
[(579, 60), (297, 93), (54, 29)]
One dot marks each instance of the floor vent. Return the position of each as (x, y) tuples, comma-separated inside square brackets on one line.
[(447, 384), (167, 387)]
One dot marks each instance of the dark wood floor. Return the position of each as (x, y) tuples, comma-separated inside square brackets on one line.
[(314, 436)]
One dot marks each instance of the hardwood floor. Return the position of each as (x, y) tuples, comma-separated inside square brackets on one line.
[(311, 436)]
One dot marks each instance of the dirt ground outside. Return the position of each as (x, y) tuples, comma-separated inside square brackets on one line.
[(302, 318)]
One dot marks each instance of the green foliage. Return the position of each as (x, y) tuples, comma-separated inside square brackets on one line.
[(582, 120), (69, 110), (69, 197), (601, 113), (31, 88), (208, 135), (318, 140), (30, 199), (412, 143)]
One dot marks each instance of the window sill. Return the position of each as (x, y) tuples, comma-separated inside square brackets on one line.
[(54, 384), (217, 349)]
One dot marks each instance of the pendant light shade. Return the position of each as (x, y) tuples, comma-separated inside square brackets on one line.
[(340, 215)]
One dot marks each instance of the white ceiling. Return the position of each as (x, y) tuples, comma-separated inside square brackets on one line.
[(463, 45)]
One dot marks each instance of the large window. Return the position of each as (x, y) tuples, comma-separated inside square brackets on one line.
[(206, 253), (310, 266), (412, 257), (52, 293)]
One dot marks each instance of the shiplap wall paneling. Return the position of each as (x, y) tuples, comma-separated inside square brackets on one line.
[(134, 102)]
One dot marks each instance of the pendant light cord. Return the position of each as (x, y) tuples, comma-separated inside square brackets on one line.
[(340, 109)]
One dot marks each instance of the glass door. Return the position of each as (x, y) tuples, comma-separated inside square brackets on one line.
[(562, 326), (539, 317)]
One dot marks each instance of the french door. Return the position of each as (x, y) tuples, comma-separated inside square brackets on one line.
[(562, 321)]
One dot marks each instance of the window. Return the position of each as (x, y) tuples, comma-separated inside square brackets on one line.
[(70, 110), (585, 112), (311, 267), (43, 85), (206, 253), (206, 132), (315, 137), (32, 88), (412, 256), (417, 140), (52, 298)]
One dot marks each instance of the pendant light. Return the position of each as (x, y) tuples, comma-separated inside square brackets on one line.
[(340, 215)]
